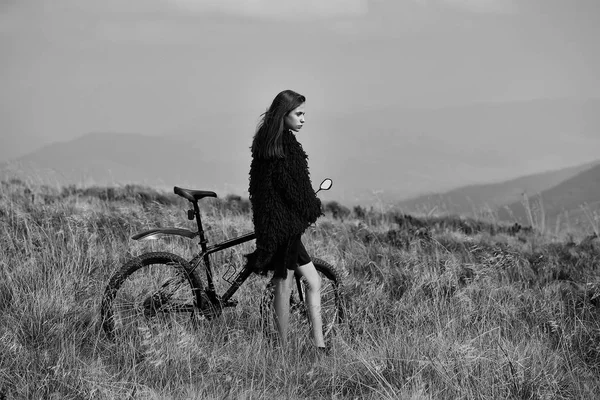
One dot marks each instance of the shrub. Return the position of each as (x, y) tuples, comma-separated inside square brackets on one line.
[(337, 210)]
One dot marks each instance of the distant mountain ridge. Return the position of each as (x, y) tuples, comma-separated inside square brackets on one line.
[(114, 158), (374, 156), (552, 200), (401, 154), (118, 158), (565, 201), (472, 199)]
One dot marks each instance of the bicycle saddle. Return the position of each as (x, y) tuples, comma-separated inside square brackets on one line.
[(193, 195)]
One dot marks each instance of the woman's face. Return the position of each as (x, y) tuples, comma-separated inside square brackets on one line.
[(295, 119)]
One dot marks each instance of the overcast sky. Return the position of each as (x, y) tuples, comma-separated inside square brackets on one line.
[(162, 67)]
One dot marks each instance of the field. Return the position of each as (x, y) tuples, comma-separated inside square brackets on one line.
[(436, 307)]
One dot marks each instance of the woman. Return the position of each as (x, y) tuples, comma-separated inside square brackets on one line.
[(284, 204)]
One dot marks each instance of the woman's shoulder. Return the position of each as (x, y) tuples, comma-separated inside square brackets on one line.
[(292, 146)]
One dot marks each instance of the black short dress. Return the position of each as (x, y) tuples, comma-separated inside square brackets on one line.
[(289, 255)]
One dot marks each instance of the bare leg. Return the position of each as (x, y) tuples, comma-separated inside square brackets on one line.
[(313, 301), (283, 289)]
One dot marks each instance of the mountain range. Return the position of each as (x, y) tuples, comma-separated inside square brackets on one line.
[(473, 199), (575, 200), (118, 158), (377, 156)]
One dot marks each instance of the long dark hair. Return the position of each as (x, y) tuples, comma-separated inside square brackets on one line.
[(267, 140)]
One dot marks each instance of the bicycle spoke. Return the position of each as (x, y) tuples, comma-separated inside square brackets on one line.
[(329, 306), (156, 295)]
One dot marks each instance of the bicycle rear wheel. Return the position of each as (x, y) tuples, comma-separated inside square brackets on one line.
[(331, 306), (150, 292)]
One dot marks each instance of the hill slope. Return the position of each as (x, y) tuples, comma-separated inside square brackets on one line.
[(566, 198), (400, 154), (115, 158), (375, 156), (474, 198)]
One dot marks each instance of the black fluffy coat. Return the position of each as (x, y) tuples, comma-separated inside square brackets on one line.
[(283, 201)]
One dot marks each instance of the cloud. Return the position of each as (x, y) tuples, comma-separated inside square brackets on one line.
[(278, 9)]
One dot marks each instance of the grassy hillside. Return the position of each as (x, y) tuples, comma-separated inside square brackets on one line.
[(568, 201), (469, 200), (440, 308)]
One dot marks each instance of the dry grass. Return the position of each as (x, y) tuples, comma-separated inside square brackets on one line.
[(432, 312)]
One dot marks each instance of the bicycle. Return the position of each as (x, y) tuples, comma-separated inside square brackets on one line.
[(162, 288)]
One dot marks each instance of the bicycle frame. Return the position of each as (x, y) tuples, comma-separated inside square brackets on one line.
[(241, 276), (204, 256)]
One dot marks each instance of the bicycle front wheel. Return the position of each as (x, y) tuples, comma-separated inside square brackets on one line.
[(331, 305), (153, 291)]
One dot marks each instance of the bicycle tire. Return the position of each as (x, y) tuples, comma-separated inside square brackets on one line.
[(331, 302), (150, 289)]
